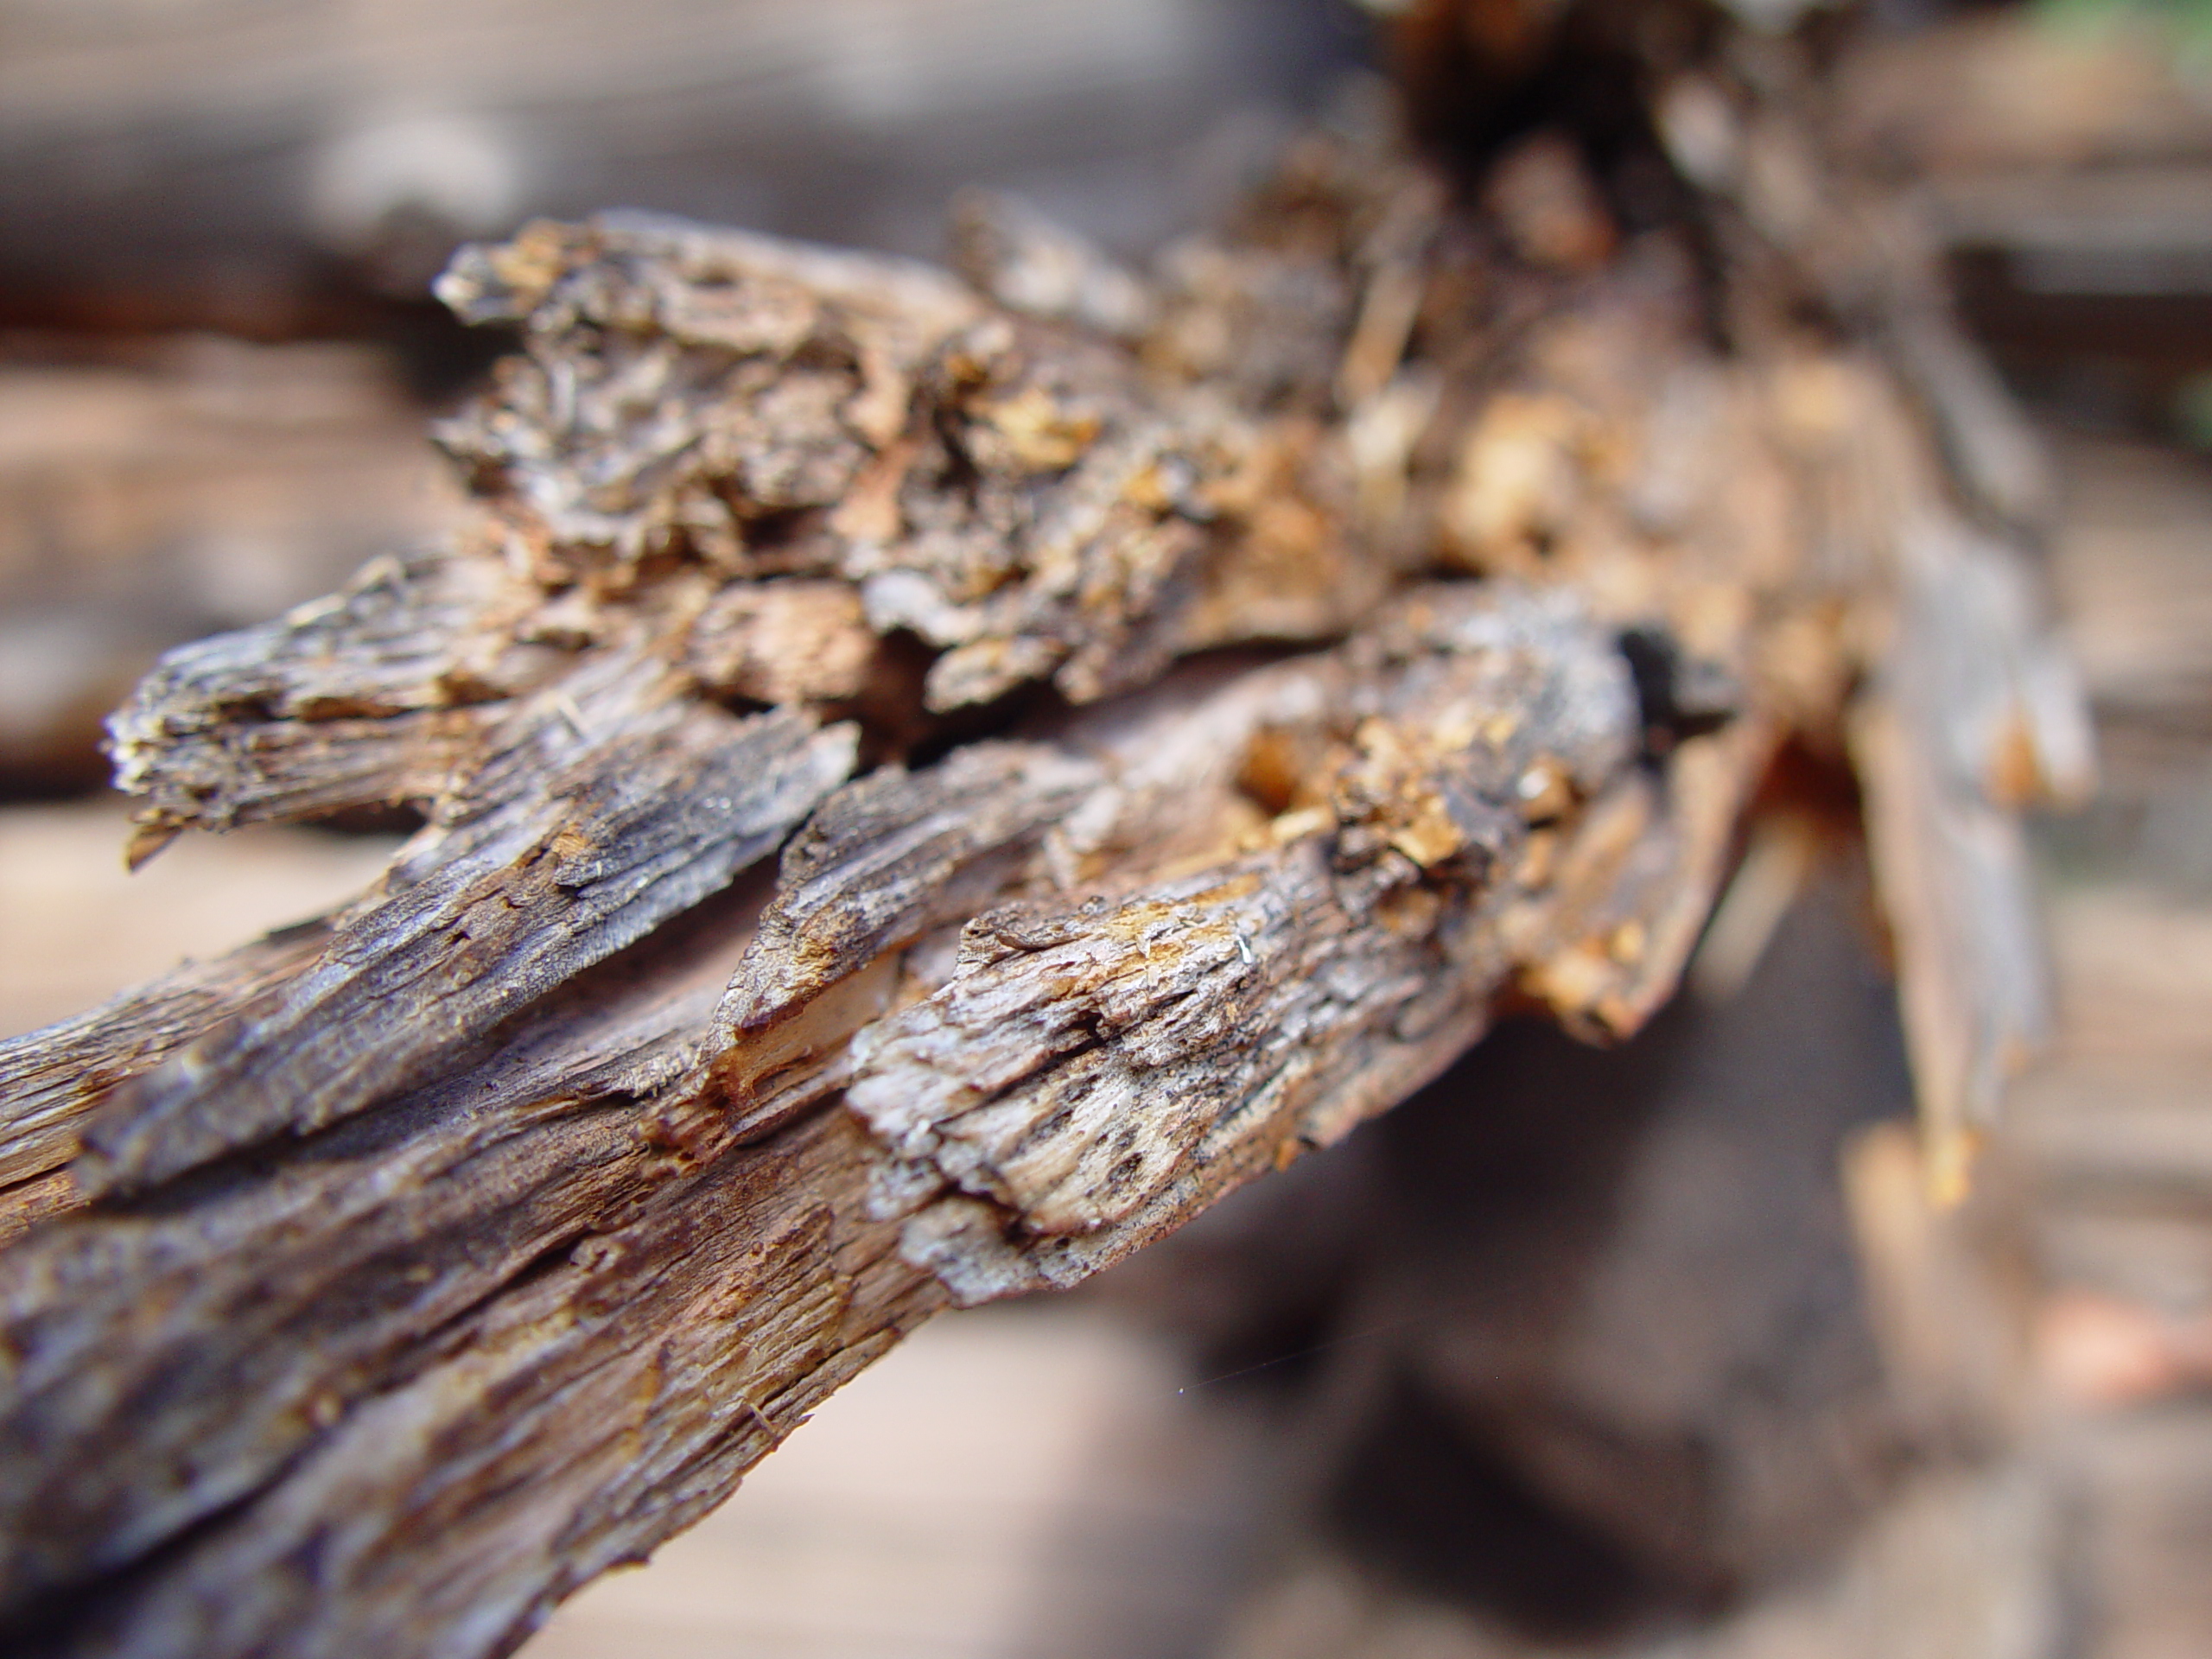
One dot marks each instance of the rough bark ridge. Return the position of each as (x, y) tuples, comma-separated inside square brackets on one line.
[(1188, 704)]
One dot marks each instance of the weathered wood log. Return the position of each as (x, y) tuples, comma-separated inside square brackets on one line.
[(1362, 622)]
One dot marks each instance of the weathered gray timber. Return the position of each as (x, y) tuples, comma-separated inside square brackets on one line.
[(57, 1075), (1386, 615), (567, 852)]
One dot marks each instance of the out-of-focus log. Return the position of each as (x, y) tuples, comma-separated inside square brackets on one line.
[(220, 165), (2064, 170), (150, 493)]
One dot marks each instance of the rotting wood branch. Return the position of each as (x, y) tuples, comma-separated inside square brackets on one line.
[(1188, 706)]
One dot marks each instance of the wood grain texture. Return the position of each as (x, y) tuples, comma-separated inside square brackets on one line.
[(1386, 615), (56, 1075)]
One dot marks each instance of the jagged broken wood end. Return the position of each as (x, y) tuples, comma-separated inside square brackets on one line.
[(930, 782)]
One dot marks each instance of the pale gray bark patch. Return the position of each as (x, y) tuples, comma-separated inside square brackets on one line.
[(886, 858), (1080, 1059)]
